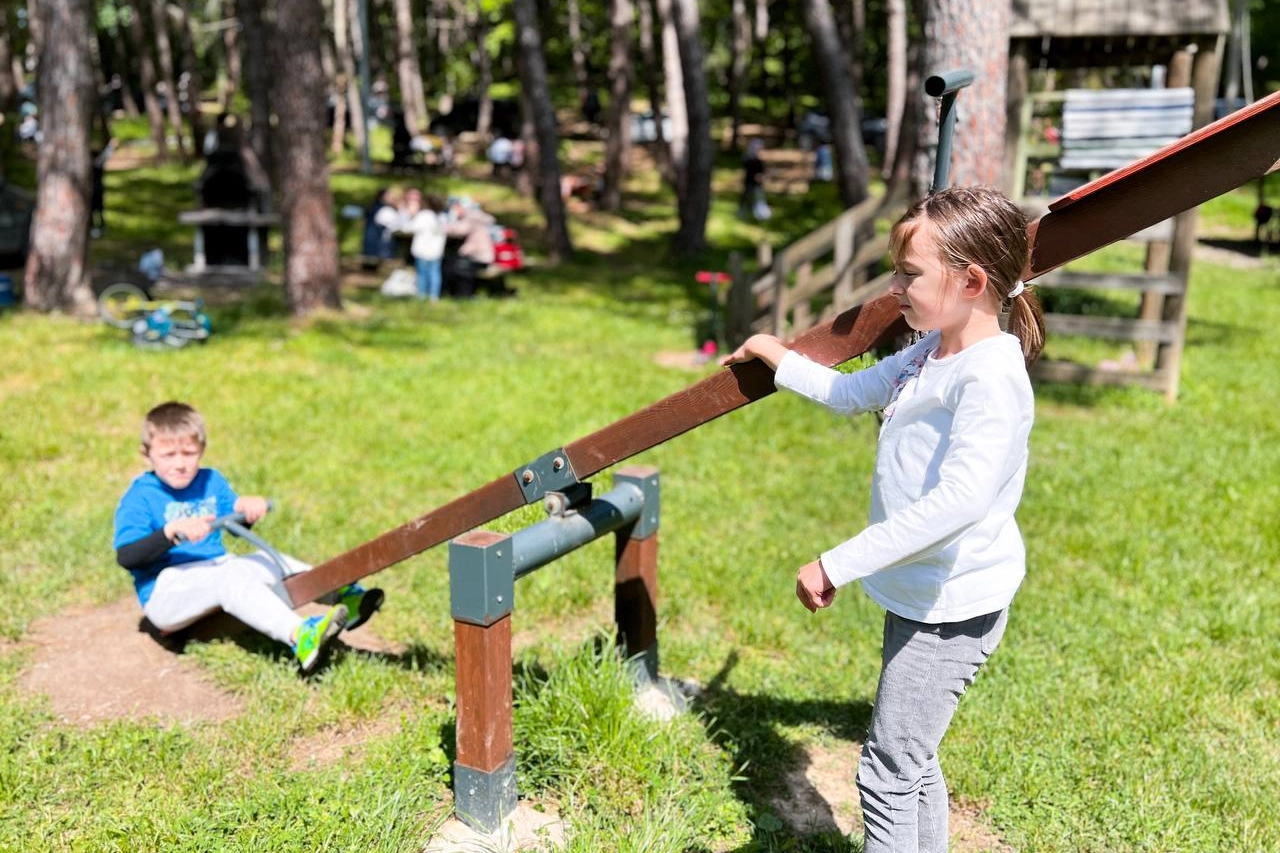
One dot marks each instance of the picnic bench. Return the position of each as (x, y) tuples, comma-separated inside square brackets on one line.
[(253, 223)]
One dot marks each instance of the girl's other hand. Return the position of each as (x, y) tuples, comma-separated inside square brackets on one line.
[(813, 588)]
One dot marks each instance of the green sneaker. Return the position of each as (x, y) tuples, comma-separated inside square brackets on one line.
[(360, 602), (315, 632)]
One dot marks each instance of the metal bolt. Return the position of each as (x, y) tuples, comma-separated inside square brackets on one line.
[(557, 464), (527, 477), (499, 599)]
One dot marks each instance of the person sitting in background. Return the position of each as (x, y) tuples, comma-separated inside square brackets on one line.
[(382, 221), (471, 225), (499, 154)]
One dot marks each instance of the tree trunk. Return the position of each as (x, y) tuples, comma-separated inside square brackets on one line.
[(844, 106), (673, 83), (534, 73), (854, 48), (350, 41), (971, 34), (310, 242), (337, 77), (576, 47), (259, 35), (35, 37), (195, 84), (57, 275), (695, 203), (903, 155), (617, 149), (741, 52), (896, 89), (125, 54), (147, 73), (231, 50), (649, 57), (164, 51), (8, 85), (412, 97), (484, 69)]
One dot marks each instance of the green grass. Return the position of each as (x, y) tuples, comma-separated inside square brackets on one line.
[(1133, 705)]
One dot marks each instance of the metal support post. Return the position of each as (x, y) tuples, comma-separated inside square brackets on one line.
[(480, 586), (483, 566)]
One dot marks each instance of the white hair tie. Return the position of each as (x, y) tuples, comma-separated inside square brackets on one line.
[(1017, 290)]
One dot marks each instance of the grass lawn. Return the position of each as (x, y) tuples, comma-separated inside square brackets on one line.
[(1134, 704)]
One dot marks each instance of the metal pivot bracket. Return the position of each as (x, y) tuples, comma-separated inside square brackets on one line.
[(569, 499), (550, 472)]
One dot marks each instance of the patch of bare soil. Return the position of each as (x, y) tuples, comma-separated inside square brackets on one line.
[(331, 746), (820, 796), (97, 664)]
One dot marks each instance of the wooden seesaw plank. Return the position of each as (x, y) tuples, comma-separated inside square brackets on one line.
[(855, 331), (1216, 159)]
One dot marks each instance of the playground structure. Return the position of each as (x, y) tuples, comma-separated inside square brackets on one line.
[(1104, 129), (1238, 149)]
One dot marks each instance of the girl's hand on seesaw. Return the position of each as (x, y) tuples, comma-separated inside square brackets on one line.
[(813, 588), (767, 348)]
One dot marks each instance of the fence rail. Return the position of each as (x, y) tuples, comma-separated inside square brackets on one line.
[(827, 271)]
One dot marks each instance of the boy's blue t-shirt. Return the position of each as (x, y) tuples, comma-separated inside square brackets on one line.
[(148, 505)]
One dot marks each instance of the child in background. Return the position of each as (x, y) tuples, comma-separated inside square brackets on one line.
[(382, 221), (942, 552), (181, 571), (424, 220)]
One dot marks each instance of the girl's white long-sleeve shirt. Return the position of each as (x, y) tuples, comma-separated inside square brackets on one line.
[(941, 543)]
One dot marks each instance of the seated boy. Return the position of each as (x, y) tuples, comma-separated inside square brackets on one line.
[(182, 572)]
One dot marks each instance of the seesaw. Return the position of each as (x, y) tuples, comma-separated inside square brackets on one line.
[(1216, 159)]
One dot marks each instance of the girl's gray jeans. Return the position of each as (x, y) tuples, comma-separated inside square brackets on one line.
[(926, 670)]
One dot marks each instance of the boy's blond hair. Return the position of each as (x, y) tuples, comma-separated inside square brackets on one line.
[(172, 419)]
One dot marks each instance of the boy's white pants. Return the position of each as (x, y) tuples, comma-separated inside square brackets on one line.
[(248, 586)]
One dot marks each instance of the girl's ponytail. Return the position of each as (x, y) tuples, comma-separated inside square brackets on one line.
[(1026, 322)]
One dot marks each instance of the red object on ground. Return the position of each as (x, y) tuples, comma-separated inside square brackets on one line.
[(507, 252)]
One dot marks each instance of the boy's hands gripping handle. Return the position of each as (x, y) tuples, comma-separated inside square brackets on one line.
[(235, 523)]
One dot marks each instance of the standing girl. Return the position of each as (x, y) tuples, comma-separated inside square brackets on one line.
[(941, 551), (424, 220)]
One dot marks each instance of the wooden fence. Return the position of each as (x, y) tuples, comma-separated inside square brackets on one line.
[(825, 272)]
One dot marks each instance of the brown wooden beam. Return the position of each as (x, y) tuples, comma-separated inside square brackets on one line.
[(1204, 164), (850, 334), (635, 593), (483, 682)]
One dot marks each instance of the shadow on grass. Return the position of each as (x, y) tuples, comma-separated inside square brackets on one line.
[(748, 726)]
